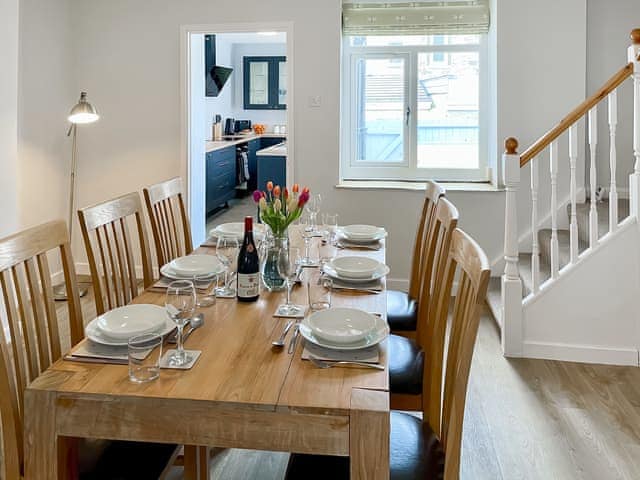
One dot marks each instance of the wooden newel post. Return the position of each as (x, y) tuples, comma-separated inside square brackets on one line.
[(633, 55), (511, 282)]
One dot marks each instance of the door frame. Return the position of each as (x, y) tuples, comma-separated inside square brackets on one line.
[(195, 206)]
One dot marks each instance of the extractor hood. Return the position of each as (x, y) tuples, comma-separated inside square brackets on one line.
[(216, 76)]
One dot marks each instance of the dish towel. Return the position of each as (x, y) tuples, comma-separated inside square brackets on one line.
[(245, 161)]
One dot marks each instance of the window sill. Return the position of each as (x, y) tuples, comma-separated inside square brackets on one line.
[(416, 186)]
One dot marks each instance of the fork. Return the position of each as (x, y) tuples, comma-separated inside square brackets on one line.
[(333, 363)]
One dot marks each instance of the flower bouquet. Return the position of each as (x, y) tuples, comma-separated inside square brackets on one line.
[(279, 208)]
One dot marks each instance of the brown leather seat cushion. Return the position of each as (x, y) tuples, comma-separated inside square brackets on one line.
[(402, 311), (406, 362), (119, 460), (415, 453)]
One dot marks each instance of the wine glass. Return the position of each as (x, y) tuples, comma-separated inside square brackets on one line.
[(227, 252), (288, 264), (306, 232), (314, 207), (180, 305)]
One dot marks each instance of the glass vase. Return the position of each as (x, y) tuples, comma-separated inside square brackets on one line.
[(271, 279)]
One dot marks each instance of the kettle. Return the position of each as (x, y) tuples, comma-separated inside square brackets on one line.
[(229, 126)]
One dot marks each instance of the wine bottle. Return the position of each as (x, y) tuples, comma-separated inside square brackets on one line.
[(248, 279)]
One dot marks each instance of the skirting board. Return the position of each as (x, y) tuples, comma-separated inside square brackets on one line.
[(580, 353)]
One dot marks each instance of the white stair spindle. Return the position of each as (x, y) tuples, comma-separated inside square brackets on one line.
[(553, 170), (511, 282), (613, 191), (535, 249), (593, 142), (573, 226), (633, 55)]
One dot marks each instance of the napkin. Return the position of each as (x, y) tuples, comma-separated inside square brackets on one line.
[(369, 354), (162, 284), (375, 285), (344, 243), (92, 352)]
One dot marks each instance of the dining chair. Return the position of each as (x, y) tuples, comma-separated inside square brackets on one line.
[(169, 222), (429, 447), (402, 311), (110, 250), (30, 341), (407, 355)]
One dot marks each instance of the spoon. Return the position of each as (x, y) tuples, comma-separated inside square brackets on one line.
[(195, 322), (280, 342)]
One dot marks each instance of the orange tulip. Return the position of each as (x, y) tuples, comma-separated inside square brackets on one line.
[(276, 191), (286, 193), (305, 189), (296, 188), (269, 186)]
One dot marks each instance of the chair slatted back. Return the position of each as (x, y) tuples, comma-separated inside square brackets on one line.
[(446, 381), (169, 222), (433, 192), (111, 252), (29, 332)]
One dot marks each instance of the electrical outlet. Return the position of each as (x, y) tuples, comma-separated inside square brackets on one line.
[(315, 101)]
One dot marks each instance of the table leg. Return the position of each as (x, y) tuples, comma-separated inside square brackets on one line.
[(369, 431), (196, 463), (45, 453)]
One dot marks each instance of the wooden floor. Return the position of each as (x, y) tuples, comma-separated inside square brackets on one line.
[(525, 419)]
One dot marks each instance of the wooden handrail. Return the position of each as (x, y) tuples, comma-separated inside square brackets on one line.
[(544, 141)]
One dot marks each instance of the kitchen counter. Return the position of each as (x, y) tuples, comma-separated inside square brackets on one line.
[(212, 146), (279, 150)]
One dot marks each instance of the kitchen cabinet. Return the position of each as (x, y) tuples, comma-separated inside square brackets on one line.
[(220, 177), (265, 83), (270, 141), (272, 168), (254, 146)]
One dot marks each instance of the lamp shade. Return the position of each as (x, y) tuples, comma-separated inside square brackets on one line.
[(83, 111)]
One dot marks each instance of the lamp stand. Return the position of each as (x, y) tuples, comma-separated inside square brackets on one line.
[(60, 290)]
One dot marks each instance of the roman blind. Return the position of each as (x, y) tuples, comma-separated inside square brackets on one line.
[(426, 18)]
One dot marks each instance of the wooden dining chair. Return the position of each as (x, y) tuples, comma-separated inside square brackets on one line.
[(407, 355), (402, 309), (169, 222), (429, 448), (110, 250), (30, 341)]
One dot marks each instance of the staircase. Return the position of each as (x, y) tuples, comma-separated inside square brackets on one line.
[(573, 294)]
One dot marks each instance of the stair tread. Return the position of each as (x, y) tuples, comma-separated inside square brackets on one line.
[(564, 246), (602, 210)]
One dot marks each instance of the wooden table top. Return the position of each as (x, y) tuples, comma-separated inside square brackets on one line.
[(237, 366)]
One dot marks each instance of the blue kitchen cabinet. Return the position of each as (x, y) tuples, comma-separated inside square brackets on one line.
[(271, 168), (270, 141), (220, 178)]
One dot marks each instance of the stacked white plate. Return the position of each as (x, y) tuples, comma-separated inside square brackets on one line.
[(355, 269), (236, 230), (116, 326), (344, 329), (362, 233), (190, 265)]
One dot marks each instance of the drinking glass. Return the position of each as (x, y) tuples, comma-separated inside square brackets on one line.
[(203, 282), (145, 352), (288, 264), (314, 207), (180, 305), (306, 232), (227, 252), (319, 291), (330, 221)]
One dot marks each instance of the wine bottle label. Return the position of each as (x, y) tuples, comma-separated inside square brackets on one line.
[(248, 285)]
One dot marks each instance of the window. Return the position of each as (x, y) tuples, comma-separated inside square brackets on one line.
[(413, 108)]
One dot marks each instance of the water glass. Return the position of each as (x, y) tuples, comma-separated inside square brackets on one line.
[(204, 283), (319, 289), (330, 222), (145, 352)]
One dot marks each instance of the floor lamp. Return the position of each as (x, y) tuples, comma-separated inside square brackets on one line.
[(82, 112)]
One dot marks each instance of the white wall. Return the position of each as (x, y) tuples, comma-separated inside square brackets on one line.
[(46, 94), (608, 26), (129, 60), (9, 28)]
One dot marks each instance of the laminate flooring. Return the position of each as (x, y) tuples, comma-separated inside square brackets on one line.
[(524, 419)]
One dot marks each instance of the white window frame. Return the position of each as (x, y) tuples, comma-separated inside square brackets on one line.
[(408, 170)]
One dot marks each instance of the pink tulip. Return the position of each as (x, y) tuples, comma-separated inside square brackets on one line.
[(257, 195)]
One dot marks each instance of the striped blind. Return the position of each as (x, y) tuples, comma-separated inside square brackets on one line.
[(425, 18)]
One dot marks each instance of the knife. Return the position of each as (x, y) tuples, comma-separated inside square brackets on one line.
[(294, 340)]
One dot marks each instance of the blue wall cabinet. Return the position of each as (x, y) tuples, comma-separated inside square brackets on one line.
[(265, 83)]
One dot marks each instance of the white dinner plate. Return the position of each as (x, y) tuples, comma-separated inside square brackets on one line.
[(380, 272), (191, 265), (375, 336), (167, 271), (93, 332), (363, 233), (356, 267), (125, 322), (341, 325), (236, 230)]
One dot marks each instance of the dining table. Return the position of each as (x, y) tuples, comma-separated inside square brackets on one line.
[(241, 393)]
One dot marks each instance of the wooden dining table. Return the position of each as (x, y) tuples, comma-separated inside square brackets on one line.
[(241, 393)]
